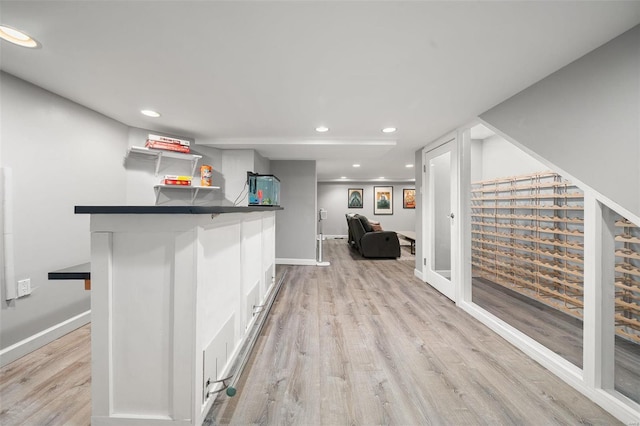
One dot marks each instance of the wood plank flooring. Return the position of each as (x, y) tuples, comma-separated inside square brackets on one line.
[(50, 386), (556, 330), (365, 342), (357, 342)]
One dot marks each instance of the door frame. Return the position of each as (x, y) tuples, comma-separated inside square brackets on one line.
[(452, 289)]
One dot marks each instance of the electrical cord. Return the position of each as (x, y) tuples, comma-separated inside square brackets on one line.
[(238, 199)]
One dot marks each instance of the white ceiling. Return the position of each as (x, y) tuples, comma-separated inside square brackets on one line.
[(264, 74)]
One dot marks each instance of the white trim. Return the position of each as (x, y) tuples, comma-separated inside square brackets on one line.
[(595, 380), (8, 272), (137, 421), (301, 262), (418, 274), (446, 286), (464, 285), (38, 340), (335, 237)]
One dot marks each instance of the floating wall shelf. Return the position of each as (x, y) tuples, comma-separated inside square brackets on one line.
[(194, 190), (158, 155)]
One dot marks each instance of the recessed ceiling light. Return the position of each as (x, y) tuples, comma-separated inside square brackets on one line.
[(409, 165), (343, 177), (322, 129), (381, 177), (17, 37), (150, 113), (389, 130), (356, 165)]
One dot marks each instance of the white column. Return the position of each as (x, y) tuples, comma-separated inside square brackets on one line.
[(599, 295)]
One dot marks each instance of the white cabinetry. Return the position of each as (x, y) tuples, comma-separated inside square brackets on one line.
[(172, 300)]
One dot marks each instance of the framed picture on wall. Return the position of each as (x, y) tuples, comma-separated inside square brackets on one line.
[(355, 198), (383, 200), (409, 198)]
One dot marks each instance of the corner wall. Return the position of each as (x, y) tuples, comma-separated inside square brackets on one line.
[(296, 224), (60, 154)]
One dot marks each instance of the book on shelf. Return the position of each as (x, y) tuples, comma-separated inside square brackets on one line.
[(167, 146), (176, 182), (178, 177), (167, 139)]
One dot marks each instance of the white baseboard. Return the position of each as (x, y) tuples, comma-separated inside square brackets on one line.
[(301, 262), (335, 237), (38, 340), (418, 274)]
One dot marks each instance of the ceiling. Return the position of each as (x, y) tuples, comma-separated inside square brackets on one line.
[(264, 74)]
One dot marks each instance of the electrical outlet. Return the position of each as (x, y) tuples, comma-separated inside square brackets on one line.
[(24, 287)]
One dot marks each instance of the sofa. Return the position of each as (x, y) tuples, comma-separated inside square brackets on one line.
[(370, 243)]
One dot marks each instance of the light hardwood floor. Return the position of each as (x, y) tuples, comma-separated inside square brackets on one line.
[(556, 330), (357, 342), (50, 386), (365, 342)]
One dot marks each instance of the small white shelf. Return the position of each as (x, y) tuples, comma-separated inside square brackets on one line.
[(194, 190), (158, 155)]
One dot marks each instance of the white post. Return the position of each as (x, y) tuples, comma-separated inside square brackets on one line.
[(599, 294), (11, 290), (321, 216)]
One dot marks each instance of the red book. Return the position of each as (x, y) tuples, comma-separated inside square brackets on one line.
[(167, 146), (168, 139)]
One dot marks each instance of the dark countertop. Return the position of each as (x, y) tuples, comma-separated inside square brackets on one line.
[(77, 272), (172, 209)]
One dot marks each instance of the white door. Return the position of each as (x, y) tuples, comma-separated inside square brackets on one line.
[(440, 178)]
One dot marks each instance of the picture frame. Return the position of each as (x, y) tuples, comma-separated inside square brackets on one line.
[(408, 198), (382, 200), (355, 198)]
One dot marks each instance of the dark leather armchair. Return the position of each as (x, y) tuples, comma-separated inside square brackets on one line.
[(370, 243)]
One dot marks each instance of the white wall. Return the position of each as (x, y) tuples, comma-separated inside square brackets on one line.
[(476, 160), (61, 154), (235, 165), (584, 119), (500, 158), (296, 224), (333, 197), (420, 253), (261, 165)]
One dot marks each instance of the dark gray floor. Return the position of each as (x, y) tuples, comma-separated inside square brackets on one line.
[(556, 330)]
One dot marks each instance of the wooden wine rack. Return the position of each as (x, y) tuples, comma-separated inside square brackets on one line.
[(627, 279), (528, 236)]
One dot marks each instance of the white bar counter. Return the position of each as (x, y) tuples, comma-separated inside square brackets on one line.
[(174, 290)]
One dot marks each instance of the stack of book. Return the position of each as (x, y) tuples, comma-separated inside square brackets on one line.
[(168, 144), (177, 180)]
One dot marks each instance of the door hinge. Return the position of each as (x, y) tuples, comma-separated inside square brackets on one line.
[(424, 168), (424, 261)]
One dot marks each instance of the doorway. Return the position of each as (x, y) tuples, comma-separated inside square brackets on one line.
[(440, 182)]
